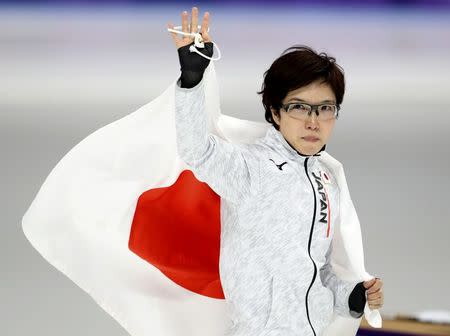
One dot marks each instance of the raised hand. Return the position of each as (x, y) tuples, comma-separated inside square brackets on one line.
[(192, 64), (192, 28)]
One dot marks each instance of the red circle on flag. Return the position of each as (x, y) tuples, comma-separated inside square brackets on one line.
[(177, 230)]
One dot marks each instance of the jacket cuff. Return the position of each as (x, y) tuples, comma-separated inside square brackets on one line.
[(357, 300), (189, 79), (196, 87)]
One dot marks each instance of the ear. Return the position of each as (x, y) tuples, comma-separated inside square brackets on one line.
[(275, 116)]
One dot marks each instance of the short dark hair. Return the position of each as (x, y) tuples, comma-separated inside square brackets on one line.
[(299, 66)]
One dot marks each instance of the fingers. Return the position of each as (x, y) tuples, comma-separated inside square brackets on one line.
[(184, 22), (368, 283), (174, 35), (375, 295), (375, 298), (205, 22), (372, 307), (375, 304), (375, 287), (194, 23), (191, 28), (204, 28)]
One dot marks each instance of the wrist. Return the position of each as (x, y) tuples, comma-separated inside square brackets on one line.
[(357, 300), (189, 79), (192, 61)]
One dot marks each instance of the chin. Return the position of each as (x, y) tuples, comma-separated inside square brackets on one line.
[(311, 150), (306, 151)]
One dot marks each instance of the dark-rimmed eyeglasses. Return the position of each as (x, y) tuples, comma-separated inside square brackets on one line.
[(302, 111)]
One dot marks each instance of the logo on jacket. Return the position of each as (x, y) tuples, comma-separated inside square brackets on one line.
[(324, 201), (325, 177), (279, 165)]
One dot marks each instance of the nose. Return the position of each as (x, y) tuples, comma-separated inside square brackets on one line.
[(312, 121)]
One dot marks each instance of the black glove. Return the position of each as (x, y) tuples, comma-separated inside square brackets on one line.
[(192, 64), (357, 300)]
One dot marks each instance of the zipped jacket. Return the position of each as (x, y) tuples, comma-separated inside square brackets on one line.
[(278, 212)]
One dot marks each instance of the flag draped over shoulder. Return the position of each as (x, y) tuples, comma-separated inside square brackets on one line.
[(124, 218)]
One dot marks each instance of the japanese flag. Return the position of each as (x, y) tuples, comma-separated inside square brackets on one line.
[(124, 218)]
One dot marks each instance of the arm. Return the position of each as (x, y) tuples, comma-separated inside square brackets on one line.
[(349, 296), (229, 169)]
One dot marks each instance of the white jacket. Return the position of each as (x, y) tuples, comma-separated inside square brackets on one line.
[(280, 213)]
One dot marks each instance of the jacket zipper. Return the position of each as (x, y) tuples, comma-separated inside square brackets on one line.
[(309, 246)]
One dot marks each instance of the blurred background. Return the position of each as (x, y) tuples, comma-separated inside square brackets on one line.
[(68, 68)]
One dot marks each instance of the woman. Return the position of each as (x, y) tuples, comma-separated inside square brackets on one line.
[(123, 218), (279, 203)]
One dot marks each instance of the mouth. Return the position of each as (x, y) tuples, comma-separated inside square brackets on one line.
[(311, 138)]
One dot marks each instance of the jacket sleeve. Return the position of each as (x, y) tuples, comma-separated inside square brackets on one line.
[(230, 169), (344, 292)]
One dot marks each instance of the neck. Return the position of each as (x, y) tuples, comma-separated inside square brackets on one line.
[(299, 153)]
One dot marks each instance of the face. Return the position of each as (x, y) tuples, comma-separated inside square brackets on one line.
[(295, 130)]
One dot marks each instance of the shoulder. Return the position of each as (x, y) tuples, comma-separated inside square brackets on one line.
[(331, 163)]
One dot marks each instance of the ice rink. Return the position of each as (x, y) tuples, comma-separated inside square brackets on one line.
[(66, 72)]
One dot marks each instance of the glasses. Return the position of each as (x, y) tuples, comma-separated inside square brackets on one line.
[(302, 111)]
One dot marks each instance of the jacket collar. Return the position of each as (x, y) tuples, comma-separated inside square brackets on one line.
[(275, 138)]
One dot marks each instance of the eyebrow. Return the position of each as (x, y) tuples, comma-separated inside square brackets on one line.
[(323, 101)]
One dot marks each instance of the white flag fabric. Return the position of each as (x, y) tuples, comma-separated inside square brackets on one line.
[(124, 218)]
